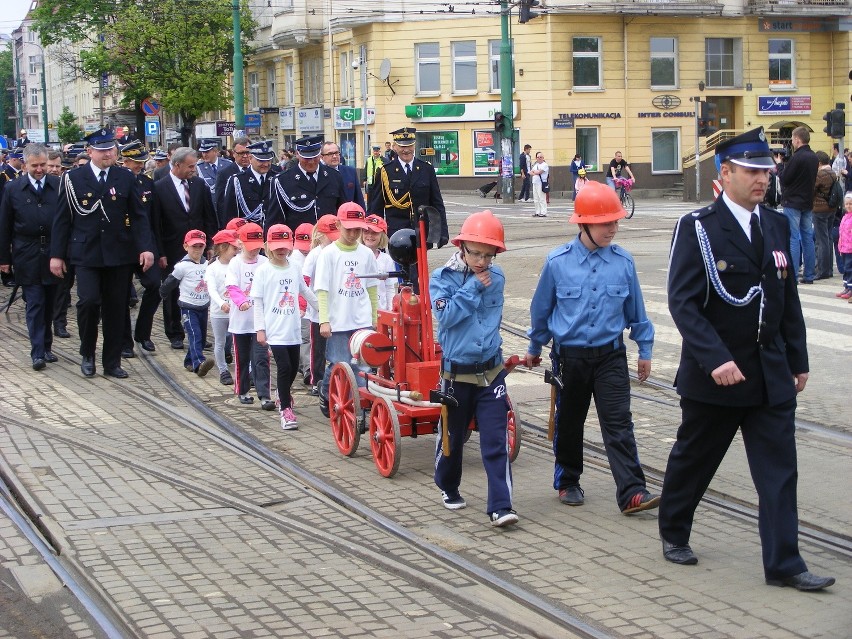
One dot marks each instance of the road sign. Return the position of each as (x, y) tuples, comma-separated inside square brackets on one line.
[(150, 106), (152, 129), (252, 119)]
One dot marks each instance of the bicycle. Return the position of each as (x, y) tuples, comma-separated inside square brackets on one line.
[(623, 186)]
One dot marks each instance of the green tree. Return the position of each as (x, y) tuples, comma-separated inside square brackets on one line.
[(67, 128), (178, 51), (7, 79)]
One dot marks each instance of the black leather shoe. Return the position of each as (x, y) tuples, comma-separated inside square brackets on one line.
[(61, 331), (87, 367), (127, 353), (177, 344), (803, 581), (50, 358), (147, 345), (679, 553), (116, 371), (38, 364), (806, 281)]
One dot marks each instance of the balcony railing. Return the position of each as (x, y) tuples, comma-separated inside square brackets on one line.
[(828, 8)]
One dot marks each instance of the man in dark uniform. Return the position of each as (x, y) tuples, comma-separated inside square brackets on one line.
[(26, 219), (242, 162), (247, 193), (210, 164), (134, 155), (14, 167), (101, 229), (182, 203), (732, 295), (306, 192), (404, 184)]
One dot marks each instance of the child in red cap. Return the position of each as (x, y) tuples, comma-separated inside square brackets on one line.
[(277, 286), (375, 238), (225, 247), (193, 299)]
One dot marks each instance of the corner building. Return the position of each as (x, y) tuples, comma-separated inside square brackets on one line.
[(593, 80)]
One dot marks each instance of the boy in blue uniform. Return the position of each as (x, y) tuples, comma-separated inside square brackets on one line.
[(467, 300), (588, 293)]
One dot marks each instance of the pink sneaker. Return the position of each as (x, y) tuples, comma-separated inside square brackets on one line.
[(288, 419), (845, 295)]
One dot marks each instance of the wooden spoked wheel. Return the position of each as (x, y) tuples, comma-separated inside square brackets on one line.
[(384, 437), (513, 440), (343, 408)]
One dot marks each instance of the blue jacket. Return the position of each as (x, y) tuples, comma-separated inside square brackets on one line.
[(351, 185), (587, 298), (468, 314)]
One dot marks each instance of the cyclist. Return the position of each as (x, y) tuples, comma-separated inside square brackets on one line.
[(617, 166)]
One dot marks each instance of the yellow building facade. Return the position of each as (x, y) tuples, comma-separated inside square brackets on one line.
[(588, 83)]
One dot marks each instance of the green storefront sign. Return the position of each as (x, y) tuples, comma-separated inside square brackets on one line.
[(440, 149)]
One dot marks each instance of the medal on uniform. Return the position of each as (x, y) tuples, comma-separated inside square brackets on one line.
[(85, 203), (112, 192), (721, 265), (126, 219), (780, 260)]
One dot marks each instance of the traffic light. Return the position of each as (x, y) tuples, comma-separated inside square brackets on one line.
[(838, 123), (525, 13), (499, 121), (707, 119), (827, 117)]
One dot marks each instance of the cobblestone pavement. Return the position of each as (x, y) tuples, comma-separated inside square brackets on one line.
[(187, 538)]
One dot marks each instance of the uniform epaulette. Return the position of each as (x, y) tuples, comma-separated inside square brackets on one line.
[(711, 208), (620, 250), (559, 250)]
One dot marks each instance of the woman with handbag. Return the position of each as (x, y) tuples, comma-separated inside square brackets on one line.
[(540, 173)]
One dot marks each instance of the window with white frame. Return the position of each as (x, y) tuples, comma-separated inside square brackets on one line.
[(34, 64), (781, 64), (345, 76), (494, 64), (723, 63), (31, 35), (271, 87), (34, 97), (665, 151), (587, 62), (428, 62), (312, 81), (587, 146), (464, 66), (254, 91), (664, 63), (289, 85)]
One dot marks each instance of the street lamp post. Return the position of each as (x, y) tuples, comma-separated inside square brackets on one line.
[(44, 99)]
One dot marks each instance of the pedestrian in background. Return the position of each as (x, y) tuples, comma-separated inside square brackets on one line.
[(587, 295), (844, 245), (744, 360), (526, 182), (823, 219), (575, 168), (798, 177), (540, 176)]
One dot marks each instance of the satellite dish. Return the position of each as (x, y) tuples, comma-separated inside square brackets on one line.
[(385, 69)]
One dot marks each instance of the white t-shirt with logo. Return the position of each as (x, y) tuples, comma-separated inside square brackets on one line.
[(337, 272), (275, 294), (240, 274), (309, 269)]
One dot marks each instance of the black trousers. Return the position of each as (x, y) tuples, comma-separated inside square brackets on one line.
[(703, 439), (171, 311), (102, 296), (287, 367), (39, 299), (605, 378), (248, 351), (62, 299), (150, 281), (318, 360)]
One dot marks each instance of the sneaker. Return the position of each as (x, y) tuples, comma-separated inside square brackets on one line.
[(323, 405), (572, 496), (453, 502), (204, 367), (267, 404), (226, 379), (643, 500), (504, 517), (314, 391), (288, 419), (229, 358), (844, 295), (246, 399)]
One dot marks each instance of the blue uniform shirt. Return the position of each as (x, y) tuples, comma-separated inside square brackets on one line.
[(587, 298), (468, 314)]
